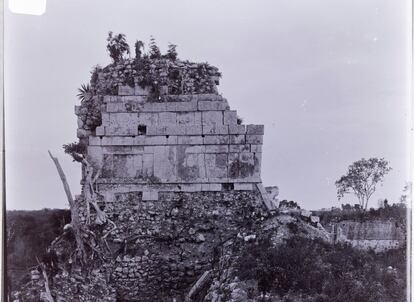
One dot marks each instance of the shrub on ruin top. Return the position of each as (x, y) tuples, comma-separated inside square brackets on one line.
[(117, 46)]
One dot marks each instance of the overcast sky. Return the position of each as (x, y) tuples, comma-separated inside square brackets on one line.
[(328, 79)]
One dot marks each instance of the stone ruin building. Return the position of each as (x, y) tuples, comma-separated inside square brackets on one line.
[(171, 192), (178, 171), (190, 143)]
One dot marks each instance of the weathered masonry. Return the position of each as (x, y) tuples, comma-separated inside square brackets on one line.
[(377, 235), (193, 143), (176, 172)]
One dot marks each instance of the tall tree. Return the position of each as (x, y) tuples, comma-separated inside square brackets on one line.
[(362, 178)]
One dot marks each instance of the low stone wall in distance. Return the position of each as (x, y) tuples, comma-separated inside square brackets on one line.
[(377, 235)]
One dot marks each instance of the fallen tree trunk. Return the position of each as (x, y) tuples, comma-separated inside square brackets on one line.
[(48, 295), (73, 210), (201, 283)]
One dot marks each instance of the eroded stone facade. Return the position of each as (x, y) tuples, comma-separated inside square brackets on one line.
[(189, 143), (377, 235), (178, 174)]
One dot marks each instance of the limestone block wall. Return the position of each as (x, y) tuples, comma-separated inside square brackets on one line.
[(178, 173), (378, 235), (187, 144)]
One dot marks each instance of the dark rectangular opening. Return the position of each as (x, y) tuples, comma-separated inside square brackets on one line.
[(227, 186), (142, 130)]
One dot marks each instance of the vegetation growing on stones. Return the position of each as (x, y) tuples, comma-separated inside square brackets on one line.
[(362, 178), (89, 115), (289, 204), (84, 92), (139, 49), (154, 50), (76, 150), (172, 52), (117, 46), (163, 74), (94, 75), (396, 212)]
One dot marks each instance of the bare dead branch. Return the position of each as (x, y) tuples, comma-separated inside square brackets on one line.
[(49, 296), (73, 209)]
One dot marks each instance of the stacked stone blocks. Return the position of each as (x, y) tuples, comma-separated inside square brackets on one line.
[(177, 173), (192, 143)]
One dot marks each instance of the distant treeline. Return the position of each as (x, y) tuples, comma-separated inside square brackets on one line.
[(29, 233)]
